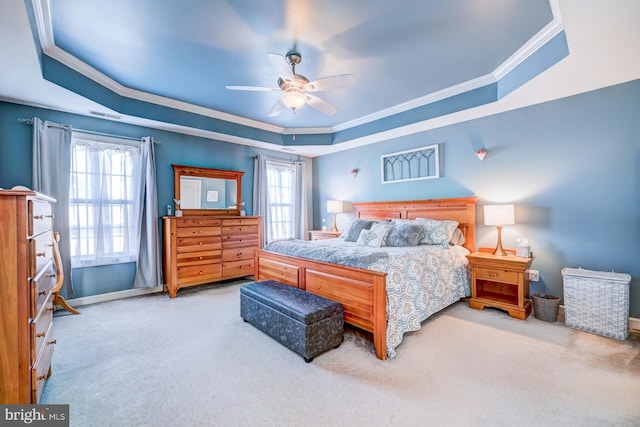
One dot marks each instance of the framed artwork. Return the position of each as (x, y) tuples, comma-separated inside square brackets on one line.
[(411, 165), (212, 195)]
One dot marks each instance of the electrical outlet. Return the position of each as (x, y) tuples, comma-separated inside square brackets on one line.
[(534, 275)]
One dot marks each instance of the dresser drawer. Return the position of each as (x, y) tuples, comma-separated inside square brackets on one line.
[(40, 252), (240, 241), (197, 222), (496, 275), (239, 229), (198, 258), (242, 267), (197, 231), (192, 244), (40, 327), (40, 217), (41, 285), (40, 370), (241, 222), (238, 254), (199, 273)]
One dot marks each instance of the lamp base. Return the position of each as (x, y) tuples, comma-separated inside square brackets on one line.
[(335, 227), (499, 251)]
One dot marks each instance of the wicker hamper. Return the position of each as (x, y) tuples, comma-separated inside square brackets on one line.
[(597, 301)]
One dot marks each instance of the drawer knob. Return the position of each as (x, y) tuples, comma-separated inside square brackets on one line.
[(201, 257), (493, 274), (41, 254), (200, 242), (40, 335)]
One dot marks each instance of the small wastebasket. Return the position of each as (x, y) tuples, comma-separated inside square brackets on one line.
[(545, 307)]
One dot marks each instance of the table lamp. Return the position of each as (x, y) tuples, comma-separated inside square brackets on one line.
[(335, 207), (499, 215)]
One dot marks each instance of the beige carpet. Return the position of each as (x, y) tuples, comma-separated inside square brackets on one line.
[(192, 361)]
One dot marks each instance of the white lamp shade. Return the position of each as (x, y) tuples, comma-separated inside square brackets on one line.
[(293, 100), (335, 206), (499, 215)]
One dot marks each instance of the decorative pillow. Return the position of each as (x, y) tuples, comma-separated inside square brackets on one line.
[(404, 234), (437, 232), (385, 226), (356, 225), (374, 237)]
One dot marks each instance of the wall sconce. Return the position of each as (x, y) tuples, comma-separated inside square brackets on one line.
[(335, 207), (354, 172), (481, 153), (499, 215)]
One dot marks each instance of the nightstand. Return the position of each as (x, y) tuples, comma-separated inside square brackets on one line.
[(321, 235), (500, 282)]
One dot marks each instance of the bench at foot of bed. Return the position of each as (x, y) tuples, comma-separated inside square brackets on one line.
[(304, 322)]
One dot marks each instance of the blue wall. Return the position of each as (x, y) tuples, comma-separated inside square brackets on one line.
[(16, 169), (571, 166)]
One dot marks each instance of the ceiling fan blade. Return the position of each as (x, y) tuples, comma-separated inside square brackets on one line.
[(281, 65), (320, 105), (254, 88), (277, 109), (333, 82)]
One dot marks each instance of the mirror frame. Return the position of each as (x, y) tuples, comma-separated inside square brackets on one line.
[(197, 172)]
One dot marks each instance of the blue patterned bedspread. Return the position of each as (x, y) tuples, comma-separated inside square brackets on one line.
[(421, 280), (351, 255)]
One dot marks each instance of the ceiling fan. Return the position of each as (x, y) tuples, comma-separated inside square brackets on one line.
[(295, 88)]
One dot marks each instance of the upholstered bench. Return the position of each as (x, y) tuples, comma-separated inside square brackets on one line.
[(306, 323)]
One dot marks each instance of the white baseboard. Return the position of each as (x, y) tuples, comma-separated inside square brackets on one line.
[(128, 293), (634, 323)]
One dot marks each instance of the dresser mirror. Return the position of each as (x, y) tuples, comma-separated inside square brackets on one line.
[(205, 191)]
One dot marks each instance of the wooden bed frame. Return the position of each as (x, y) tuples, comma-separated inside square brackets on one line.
[(363, 292)]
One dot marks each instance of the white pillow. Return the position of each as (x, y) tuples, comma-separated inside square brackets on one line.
[(373, 237)]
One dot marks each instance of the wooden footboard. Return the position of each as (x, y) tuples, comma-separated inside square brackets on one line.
[(361, 292)]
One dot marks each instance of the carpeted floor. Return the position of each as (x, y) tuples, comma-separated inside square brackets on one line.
[(192, 361)]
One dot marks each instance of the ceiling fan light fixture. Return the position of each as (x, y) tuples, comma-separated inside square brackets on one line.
[(293, 100)]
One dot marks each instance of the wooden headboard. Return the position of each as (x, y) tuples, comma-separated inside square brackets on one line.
[(462, 210)]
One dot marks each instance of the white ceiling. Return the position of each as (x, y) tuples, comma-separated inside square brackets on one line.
[(603, 39)]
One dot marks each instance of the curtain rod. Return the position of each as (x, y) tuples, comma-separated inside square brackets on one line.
[(89, 132), (255, 156)]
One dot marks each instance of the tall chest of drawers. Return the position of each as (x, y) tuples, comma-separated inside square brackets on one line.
[(207, 249), (27, 276)]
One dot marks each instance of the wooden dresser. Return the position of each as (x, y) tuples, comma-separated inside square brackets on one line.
[(27, 276), (206, 249)]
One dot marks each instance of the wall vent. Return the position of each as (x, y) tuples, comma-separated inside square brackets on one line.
[(105, 115)]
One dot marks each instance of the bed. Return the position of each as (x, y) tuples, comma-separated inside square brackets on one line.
[(362, 291)]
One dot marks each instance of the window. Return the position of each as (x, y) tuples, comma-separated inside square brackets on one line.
[(104, 200), (281, 183)]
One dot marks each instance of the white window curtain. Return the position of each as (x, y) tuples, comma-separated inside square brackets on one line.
[(105, 201), (279, 197), (114, 206), (51, 165)]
